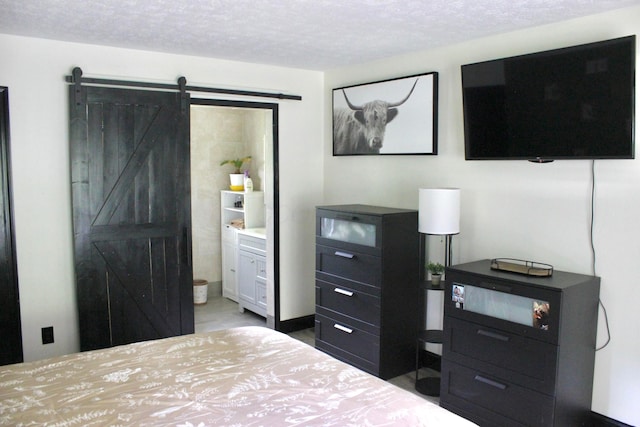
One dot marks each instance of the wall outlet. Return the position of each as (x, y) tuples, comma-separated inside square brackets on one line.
[(47, 335)]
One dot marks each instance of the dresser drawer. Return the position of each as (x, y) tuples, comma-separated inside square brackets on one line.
[(351, 230), (497, 401), (345, 335), (350, 301), (524, 361), (523, 309), (353, 265)]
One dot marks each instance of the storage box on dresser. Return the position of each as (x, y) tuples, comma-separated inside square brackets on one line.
[(497, 370), (367, 286)]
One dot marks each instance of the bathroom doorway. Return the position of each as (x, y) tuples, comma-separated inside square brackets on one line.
[(222, 130)]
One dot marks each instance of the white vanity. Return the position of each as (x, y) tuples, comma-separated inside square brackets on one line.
[(252, 270), (238, 210)]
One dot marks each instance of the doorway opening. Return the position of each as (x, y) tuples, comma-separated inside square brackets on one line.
[(222, 130)]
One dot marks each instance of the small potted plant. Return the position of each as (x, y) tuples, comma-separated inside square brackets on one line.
[(436, 270), (237, 177)]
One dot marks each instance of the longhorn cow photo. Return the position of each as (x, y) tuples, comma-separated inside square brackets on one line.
[(361, 117)]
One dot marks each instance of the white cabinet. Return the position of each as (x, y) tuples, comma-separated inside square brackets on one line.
[(229, 256), (237, 209), (252, 271)]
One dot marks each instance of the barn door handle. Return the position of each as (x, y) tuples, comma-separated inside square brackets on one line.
[(344, 255)]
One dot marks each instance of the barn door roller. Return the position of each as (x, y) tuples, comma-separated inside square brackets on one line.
[(77, 79)]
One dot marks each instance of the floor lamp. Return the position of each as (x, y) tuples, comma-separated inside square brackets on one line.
[(438, 214)]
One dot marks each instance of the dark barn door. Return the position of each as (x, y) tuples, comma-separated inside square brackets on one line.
[(10, 329), (131, 212)]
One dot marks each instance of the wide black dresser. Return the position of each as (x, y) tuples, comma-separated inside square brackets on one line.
[(367, 291), (518, 350)]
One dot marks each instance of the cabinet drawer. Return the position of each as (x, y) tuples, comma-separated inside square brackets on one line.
[(352, 265), (344, 335), (524, 361), (496, 400), (252, 244), (261, 268), (261, 296), (349, 301)]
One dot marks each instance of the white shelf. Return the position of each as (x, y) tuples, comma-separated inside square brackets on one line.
[(241, 210)]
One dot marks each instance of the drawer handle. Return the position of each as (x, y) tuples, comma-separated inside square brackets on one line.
[(493, 335), (492, 383), (343, 292), (344, 255), (342, 328)]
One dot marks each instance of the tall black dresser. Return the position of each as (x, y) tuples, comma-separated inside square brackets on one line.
[(367, 291), (518, 350)]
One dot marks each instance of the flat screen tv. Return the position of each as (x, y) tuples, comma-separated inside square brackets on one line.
[(570, 103)]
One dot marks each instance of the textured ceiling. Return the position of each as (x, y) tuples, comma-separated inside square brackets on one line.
[(310, 34)]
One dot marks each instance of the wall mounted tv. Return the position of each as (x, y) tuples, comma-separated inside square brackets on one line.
[(569, 103)]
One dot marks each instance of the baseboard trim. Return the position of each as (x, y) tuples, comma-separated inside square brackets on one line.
[(599, 420), (297, 324)]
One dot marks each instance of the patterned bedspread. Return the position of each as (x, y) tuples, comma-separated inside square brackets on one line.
[(250, 376)]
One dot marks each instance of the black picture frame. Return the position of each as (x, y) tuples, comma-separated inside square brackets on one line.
[(400, 114)]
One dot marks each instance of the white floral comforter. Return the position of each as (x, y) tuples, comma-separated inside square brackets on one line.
[(249, 376)]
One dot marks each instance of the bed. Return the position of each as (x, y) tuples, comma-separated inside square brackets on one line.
[(248, 376)]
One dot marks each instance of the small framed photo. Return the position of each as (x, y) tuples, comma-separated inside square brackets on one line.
[(397, 116)]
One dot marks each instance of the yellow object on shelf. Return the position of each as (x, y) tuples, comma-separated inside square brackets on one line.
[(236, 187)]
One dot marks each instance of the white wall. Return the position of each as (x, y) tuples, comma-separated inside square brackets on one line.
[(34, 71), (515, 208)]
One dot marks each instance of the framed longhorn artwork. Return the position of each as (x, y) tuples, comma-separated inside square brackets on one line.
[(389, 117)]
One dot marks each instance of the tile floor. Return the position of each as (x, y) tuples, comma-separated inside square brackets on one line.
[(222, 313)]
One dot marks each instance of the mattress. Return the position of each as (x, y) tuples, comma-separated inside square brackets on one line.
[(248, 376)]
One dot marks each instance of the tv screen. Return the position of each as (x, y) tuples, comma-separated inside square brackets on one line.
[(570, 103)]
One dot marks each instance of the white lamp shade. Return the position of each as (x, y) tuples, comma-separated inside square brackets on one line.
[(439, 211)]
